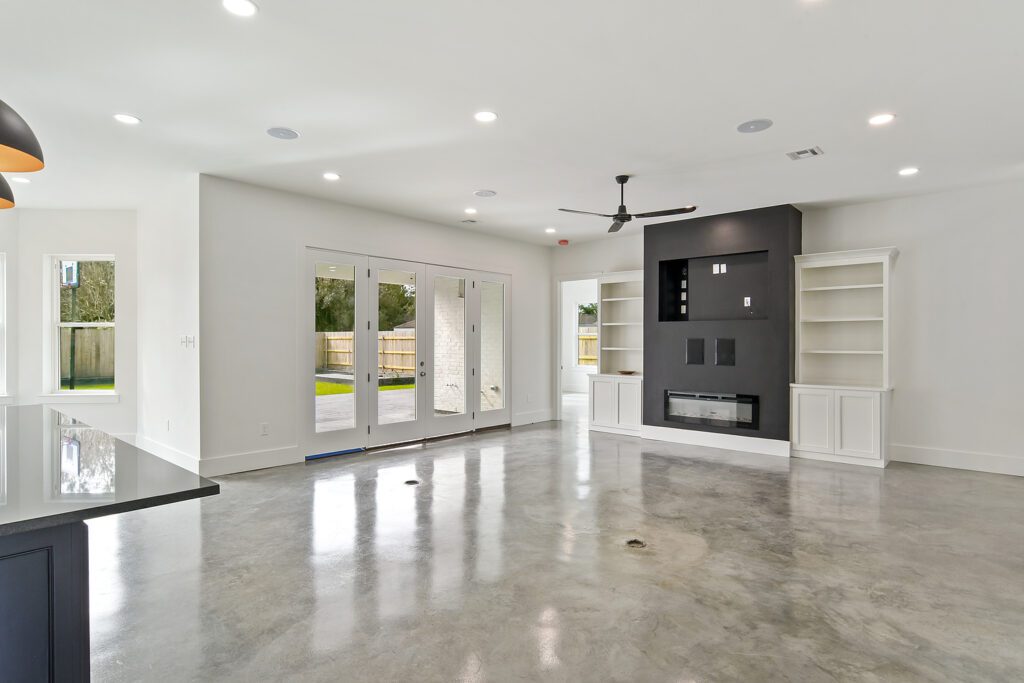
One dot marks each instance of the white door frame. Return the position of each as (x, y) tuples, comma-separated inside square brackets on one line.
[(557, 281), (311, 441), (503, 415), (415, 429)]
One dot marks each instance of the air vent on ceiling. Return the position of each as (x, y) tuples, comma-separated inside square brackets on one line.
[(805, 153), (469, 220)]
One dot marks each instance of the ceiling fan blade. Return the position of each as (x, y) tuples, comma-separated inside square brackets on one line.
[(616, 226), (666, 212), (589, 213)]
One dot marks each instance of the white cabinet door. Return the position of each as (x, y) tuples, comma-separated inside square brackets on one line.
[(813, 415), (629, 405), (603, 402), (858, 416)]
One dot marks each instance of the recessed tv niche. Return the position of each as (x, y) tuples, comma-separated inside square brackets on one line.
[(728, 287)]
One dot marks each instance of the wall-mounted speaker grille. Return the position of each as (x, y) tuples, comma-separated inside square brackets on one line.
[(805, 153)]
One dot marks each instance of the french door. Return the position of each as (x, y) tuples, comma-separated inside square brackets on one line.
[(401, 351)]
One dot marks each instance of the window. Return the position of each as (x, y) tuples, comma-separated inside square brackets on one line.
[(586, 335), (84, 330)]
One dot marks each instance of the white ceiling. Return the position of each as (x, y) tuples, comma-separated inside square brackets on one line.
[(384, 94)]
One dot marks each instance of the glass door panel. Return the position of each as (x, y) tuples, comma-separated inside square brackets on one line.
[(334, 341), (396, 346), (492, 345), (491, 312), (449, 348)]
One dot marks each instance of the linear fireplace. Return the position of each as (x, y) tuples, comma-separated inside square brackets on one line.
[(718, 410)]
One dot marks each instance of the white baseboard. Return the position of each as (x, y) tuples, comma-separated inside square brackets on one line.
[(732, 442), (530, 417), (250, 460), (168, 453), (842, 459), (614, 430), (994, 463)]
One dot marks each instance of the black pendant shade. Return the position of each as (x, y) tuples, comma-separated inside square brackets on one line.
[(6, 196), (19, 150)]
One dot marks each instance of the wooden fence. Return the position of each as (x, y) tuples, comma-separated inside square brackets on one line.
[(396, 352), (586, 339), (94, 353)]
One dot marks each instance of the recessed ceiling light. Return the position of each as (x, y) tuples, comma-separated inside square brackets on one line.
[(471, 211), (881, 119), (282, 133), (129, 119), (23, 181), (241, 8), (485, 116), (549, 230), (485, 193), (909, 170), (755, 125), (332, 176)]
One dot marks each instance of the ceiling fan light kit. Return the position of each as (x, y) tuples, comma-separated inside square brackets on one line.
[(622, 216), (20, 151)]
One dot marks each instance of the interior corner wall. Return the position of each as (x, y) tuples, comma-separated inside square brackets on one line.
[(9, 331), (168, 253), (251, 250), (957, 331), (607, 254), (45, 232)]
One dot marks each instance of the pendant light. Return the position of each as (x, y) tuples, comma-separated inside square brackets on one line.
[(19, 149), (6, 196)]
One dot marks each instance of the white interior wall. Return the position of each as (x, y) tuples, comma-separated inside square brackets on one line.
[(957, 332), (251, 247), (607, 254), (9, 302), (41, 234), (168, 252), (574, 293)]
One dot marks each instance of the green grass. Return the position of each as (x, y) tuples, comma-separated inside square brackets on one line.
[(332, 388), (82, 386)]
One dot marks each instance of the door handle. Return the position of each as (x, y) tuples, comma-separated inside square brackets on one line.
[(422, 373)]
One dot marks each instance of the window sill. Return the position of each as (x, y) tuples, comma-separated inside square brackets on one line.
[(81, 397)]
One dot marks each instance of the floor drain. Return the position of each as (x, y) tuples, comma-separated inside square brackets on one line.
[(412, 482), (635, 543)]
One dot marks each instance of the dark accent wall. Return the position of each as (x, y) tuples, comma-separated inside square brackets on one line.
[(764, 353)]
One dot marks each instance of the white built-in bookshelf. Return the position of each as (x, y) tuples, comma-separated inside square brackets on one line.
[(621, 322), (843, 384), (842, 310)]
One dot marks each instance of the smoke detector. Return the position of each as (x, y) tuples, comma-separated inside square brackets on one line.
[(485, 193), (805, 153)]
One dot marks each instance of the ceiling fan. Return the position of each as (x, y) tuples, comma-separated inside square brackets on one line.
[(622, 216)]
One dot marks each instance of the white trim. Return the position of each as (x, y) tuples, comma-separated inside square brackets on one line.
[(81, 396), (249, 460), (843, 459), (531, 417), (995, 463), (614, 430), (732, 442)]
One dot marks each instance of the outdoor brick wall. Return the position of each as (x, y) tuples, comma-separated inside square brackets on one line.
[(449, 345), (492, 343)]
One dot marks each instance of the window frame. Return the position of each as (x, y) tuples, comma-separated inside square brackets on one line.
[(54, 326)]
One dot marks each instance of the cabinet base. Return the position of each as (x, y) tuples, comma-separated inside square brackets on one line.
[(843, 459), (615, 430), (732, 442)]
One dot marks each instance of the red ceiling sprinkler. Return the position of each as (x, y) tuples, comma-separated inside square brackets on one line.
[(563, 243)]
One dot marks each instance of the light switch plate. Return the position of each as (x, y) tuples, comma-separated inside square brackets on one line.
[(722, 269), (715, 269), (746, 302)]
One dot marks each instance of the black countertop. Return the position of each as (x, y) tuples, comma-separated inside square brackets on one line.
[(55, 470)]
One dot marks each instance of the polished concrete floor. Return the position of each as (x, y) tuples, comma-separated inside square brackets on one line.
[(508, 562)]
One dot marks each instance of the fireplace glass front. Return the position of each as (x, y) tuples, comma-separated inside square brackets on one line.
[(717, 410)]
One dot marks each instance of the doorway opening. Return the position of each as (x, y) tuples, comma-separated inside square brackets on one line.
[(578, 332)]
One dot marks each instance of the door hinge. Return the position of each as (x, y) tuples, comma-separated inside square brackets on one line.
[(474, 372), (474, 327), (367, 377), (367, 272), (367, 324), (367, 429)]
